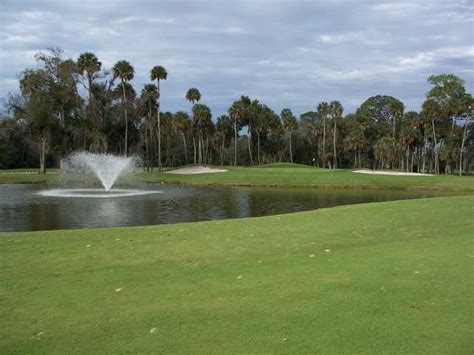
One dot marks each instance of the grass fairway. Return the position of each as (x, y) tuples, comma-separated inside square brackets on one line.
[(393, 277), (274, 175), (28, 176), (298, 175)]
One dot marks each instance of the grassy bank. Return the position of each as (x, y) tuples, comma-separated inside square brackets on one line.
[(280, 175), (313, 177), (390, 277), (27, 176)]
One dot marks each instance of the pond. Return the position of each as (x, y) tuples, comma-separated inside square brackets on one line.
[(23, 208)]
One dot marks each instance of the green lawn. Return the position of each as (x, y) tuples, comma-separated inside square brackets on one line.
[(280, 175), (314, 177), (397, 277), (27, 176)]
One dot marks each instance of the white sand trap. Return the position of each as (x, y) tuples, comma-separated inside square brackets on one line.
[(195, 170), (384, 172)]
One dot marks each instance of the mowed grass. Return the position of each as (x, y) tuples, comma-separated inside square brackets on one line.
[(298, 175), (394, 277), (27, 176), (279, 175)]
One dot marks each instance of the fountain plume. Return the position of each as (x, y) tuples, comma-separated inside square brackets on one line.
[(106, 167)]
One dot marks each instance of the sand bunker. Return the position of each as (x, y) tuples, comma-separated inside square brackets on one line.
[(384, 172), (195, 170)]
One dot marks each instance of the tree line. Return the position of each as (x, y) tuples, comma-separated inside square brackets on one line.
[(66, 105)]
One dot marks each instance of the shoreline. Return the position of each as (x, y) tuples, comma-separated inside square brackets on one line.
[(278, 177)]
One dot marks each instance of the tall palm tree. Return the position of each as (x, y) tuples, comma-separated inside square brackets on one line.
[(355, 142), (289, 124), (89, 64), (149, 97), (251, 111), (336, 113), (323, 110), (235, 116), (468, 101), (431, 110), (125, 72), (158, 73), (396, 108), (182, 124), (408, 136), (193, 95), (224, 129), (201, 120)]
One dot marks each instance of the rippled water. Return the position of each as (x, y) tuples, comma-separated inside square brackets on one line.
[(22, 207)]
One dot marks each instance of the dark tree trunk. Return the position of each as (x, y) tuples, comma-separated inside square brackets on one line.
[(462, 149), (235, 143), (126, 119), (291, 148), (258, 148), (334, 144), (185, 148), (423, 151), (159, 125), (222, 149), (435, 148), (324, 143), (249, 142), (42, 155), (199, 149)]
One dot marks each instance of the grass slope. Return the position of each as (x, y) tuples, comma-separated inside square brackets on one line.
[(279, 175), (397, 279), (27, 176), (314, 177)]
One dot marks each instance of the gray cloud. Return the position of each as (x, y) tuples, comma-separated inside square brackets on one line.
[(287, 53)]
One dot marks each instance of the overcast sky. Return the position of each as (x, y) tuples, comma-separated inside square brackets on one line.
[(286, 53)]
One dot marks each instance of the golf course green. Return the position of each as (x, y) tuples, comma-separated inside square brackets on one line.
[(378, 278), (273, 175)]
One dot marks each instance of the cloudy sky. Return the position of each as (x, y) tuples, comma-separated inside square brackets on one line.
[(287, 53)]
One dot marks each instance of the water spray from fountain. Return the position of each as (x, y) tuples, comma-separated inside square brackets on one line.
[(106, 167)]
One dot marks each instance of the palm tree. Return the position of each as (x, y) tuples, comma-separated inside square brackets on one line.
[(323, 110), (181, 119), (88, 63), (336, 113), (158, 73), (240, 113), (201, 120), (431, 110), (408, 136), (396, 108), (383, 150), (289, 124), (235, 116), (251, 107), (468, 102), (355, 142), (125, 72), (149, 97), (193, 95), (224, 129)]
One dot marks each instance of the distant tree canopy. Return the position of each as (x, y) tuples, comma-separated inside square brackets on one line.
[(66, 105)]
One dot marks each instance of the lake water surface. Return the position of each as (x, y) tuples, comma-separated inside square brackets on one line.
[(22, 208)]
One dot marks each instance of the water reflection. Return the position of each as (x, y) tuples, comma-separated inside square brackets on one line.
[(22, 208)]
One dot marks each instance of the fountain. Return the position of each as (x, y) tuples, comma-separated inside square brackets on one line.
[(106, 168)]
